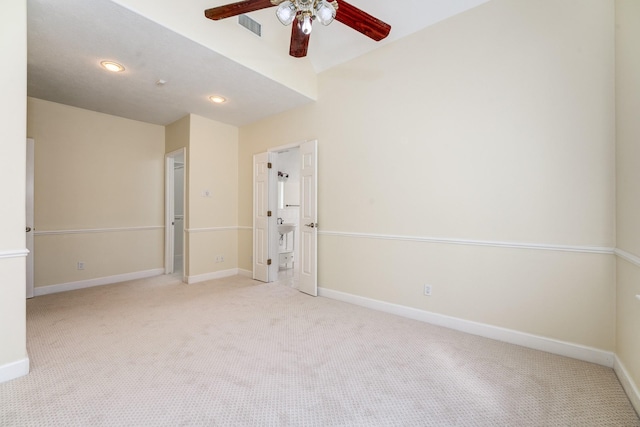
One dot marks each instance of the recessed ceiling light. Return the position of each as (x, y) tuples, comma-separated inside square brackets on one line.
[(217, 99), (112, 66)]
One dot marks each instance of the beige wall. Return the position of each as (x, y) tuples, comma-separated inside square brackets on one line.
[(13, 87), (95, 172), (177, 134), (213, 219), (628, 177), (496, 125)]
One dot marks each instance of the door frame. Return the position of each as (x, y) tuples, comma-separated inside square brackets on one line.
[(29, 217), (169, 211)]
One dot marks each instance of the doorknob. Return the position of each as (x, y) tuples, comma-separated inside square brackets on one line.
[(28, 229), (312, 225)]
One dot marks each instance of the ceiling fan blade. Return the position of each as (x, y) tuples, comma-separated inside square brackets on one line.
[(235, 9), (299, 40), (361, 21)]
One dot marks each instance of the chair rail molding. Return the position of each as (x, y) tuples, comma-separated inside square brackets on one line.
[(467, 242), (97, 230), (16, 253), (208, 229), (633, 259)]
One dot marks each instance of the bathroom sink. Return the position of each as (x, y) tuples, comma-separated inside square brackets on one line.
[(285, 228)]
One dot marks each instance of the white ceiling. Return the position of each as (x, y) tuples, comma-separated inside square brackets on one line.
[(68, 38)]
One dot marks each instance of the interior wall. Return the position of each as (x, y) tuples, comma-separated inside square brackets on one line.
[(213, 197), (628, 177), (13, 87), (495, 127), (99, 194), (177, 134)]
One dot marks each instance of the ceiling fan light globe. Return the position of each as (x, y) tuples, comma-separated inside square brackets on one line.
[(325, 12), (306, 25), (286, 12)]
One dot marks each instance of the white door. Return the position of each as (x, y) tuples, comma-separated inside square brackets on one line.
[(261, 217), (309, 218), (29, 216), (169, 214), (178, 215)]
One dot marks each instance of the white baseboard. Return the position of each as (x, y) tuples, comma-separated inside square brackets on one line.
[(14, 370), (99, 281), (562, 348), (213, 275), (627, 384)]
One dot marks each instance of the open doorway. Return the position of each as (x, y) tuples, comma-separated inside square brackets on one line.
[(175, 213), (286, 234), (285, 227)]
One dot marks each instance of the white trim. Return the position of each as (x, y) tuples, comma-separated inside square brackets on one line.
[(627, 383), (576, 351), (14, 370), (633, 259), (245, 227), (453, 241), (99, 281), (288, 146), (29, 216), (98, 230), (18, 253), (205, 230), (213, 275), (169, 217)]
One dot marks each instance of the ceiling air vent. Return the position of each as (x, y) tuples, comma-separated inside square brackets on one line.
[(250, 25)]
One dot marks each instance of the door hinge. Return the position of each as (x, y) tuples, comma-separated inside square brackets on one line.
[(269, 165), (268, 213), (269, 262)]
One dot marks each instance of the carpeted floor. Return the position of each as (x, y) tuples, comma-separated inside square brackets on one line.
[(234, 352)]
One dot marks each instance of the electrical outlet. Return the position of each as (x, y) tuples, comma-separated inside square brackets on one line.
[(220, 258), (427, 290), (80, 265)]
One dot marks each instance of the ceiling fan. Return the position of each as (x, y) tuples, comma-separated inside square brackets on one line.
[(304, 12)]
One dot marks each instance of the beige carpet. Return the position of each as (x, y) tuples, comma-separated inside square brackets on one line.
[(235, 352)]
